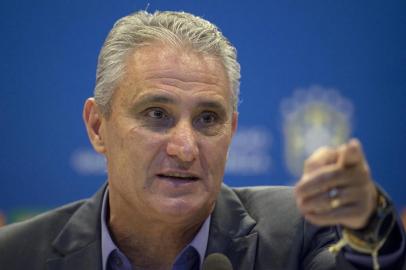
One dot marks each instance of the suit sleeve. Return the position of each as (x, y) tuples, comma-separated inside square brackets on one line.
[(317, 240)]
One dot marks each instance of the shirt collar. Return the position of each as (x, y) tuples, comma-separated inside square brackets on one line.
[(107, 243), (199, 242)]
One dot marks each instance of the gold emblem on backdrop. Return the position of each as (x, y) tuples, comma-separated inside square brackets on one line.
[(313, 118)]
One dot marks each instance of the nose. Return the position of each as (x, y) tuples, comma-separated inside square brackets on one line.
[(182, 143)]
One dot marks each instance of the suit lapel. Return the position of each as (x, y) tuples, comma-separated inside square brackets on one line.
[(85, 258), (79, 241), (231, 231)]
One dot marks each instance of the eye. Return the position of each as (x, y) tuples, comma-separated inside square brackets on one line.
[(156, 113), (156, 118), (207, 119)]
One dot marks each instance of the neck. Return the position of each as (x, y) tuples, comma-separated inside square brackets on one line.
[(148, 242)]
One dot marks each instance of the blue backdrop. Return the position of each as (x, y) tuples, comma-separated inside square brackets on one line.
[(313, 72)]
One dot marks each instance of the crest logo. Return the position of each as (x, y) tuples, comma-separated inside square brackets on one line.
[(313, 118)]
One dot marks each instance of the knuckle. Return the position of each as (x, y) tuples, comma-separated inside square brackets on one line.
[(297, 192), (301, 205), (309, 164), (323, 150)]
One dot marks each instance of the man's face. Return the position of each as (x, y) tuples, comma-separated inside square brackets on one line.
[(167, 138)]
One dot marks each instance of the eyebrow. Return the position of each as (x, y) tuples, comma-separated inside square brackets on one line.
[(164, 99), (155, 99), (214, 105)]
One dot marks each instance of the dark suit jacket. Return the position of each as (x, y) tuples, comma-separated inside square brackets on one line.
[(256, 228)]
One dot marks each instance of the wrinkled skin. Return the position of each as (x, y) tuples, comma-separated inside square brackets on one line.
[(344, 168), (166, 143)]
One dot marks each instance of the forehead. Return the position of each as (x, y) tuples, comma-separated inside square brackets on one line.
[(177, 61), (180, 68)]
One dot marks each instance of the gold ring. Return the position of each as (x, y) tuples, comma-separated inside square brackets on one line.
[(335, 203)]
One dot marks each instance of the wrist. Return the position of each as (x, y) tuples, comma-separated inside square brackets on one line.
[(377, 229)]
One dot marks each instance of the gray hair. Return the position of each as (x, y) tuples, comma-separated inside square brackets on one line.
[(174, 28)]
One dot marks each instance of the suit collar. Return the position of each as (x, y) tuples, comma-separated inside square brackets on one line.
[(79, 241), (231, 231)]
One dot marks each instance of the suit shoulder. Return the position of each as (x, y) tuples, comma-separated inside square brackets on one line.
[(43, 227), (268, 201), (265, 194)]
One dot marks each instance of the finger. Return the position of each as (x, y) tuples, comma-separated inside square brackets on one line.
[(322, 203), (321, 157), (329, 177), (319, 181), (351, 154), (345, 215)]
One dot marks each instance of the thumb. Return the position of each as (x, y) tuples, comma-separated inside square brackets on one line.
[(351, 153)]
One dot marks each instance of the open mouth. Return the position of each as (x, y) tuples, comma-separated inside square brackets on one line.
[(178, 176)]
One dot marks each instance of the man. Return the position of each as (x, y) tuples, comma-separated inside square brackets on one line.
[(163, 115)]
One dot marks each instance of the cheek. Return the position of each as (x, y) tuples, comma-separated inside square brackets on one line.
[(144, 147), (131, 152), (140, 140)]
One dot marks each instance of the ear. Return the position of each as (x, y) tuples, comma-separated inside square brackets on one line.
[(234, 122), (94, 122)]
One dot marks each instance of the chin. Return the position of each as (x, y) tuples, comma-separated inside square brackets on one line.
[(184, 208)]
